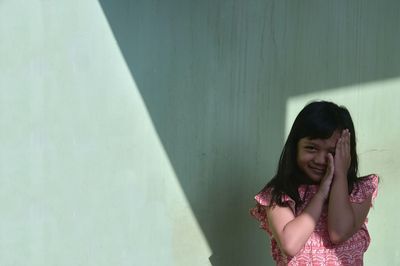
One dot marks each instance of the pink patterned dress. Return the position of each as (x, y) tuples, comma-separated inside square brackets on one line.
[(319, 250)]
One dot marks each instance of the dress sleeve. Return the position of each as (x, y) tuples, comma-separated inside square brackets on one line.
[(263, 199), (364, 188)]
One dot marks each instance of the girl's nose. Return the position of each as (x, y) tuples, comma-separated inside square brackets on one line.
[(320, 158)]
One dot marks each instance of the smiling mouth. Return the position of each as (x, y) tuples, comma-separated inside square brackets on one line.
[(318, 170)]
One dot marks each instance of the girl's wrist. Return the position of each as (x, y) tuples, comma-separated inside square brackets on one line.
[(322, 196), (341, 175)]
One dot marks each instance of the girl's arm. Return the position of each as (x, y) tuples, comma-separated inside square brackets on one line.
[(344, 218), (292, 232)]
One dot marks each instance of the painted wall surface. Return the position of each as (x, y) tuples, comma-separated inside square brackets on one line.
[(84, 177), (137, 132)]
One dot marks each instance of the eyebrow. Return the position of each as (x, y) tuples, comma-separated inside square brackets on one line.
[(311, 141)]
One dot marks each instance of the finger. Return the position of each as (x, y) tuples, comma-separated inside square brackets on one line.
[(330, 167), (339, 146), (347, 142), (348, 148)]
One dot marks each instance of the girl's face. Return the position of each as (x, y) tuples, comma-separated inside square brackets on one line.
[(312, 155)]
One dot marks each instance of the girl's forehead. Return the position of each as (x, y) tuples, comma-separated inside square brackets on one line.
[(331, 141)]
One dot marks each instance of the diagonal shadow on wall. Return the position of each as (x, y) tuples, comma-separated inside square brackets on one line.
[(216, 76)]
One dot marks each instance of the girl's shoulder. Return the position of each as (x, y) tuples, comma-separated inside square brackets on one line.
[(364, 187), (264, 198), (263, 201)]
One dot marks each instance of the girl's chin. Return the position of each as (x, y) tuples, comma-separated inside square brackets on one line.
[(315, 177), (311, 179)]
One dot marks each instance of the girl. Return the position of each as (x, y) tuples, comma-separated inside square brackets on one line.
[(315, 208)]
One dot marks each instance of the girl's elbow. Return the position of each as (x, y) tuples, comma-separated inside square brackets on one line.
[(289, 249), (290, 252), (337, 238), (340, 234)]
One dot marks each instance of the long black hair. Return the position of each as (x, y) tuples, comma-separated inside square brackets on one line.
[(317, 120)]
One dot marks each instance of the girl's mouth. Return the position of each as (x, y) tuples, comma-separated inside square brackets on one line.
[(318, 170)]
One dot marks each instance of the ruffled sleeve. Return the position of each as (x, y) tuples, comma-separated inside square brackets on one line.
[(263, 199), (364, 188)]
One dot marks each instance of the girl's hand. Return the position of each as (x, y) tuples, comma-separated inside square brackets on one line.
[(342, 155), (325, 185)]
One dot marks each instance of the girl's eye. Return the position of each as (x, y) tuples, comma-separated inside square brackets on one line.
[(310, 148)]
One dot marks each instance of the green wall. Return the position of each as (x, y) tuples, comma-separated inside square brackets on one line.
[(135, 132)]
